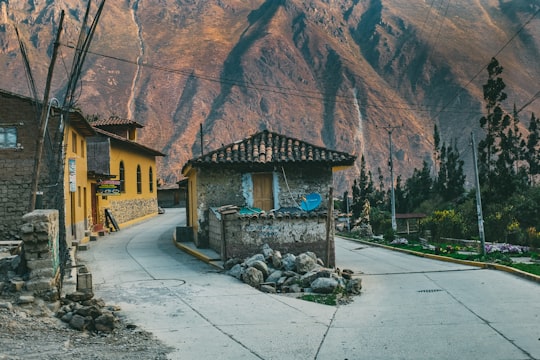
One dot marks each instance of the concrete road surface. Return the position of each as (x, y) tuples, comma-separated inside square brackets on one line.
[(410, 308)]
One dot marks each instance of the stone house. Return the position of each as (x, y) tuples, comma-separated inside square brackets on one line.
[(122, 173), (250, 192), (57, 187)]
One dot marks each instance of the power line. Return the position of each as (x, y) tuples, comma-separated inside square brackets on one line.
[(486, 65), (303, 93)]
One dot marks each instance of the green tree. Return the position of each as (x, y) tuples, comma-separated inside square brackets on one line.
[(418, 187), (362, 190), (499, 150), (451, 177), (532, 149)]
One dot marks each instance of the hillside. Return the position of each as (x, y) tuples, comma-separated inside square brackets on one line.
[(332, 72)]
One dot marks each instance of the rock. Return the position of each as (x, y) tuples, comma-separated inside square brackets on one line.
[(106, 322), (289, 262), (67, 317), (6, 305), (267, 288), (294, 288), (236, 271), (305, 263), (309, 277), (25, 299), (274, 277), (277, 259), (347, 274), (262, 267), (267, 251), (229, 264), (354, 286), (324, 285), (251, 260), (78, 322), (91, 311), (252, 277), (80, 296)]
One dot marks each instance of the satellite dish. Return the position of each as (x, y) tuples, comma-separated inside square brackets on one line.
[(311, 202)]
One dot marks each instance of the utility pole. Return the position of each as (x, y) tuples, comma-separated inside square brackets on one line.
[(43, 118), (389, 130), (478, 198)]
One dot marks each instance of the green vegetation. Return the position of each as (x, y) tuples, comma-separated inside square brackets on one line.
[(509, 173), (325, 299)]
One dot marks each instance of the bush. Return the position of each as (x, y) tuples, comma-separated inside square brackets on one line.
[(445, 223)]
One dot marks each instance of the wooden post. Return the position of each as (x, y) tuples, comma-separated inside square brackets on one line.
[(330, 246)]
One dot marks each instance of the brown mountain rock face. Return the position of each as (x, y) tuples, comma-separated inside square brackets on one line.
[(333, 73)]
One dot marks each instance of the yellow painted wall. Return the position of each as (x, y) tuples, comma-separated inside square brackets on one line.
[(131, 205), (77, 202)]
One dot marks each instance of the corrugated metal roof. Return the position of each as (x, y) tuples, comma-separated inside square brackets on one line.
[(133, 144)]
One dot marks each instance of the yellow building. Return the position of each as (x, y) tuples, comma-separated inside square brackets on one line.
[(122, 174), (77, 195)]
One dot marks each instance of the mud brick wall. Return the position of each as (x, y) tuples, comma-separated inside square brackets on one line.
[(40, 235)]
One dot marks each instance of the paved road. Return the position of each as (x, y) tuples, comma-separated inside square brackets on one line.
[(410, 308)]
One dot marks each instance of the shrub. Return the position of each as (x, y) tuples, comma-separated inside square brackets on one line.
[(445, 223)]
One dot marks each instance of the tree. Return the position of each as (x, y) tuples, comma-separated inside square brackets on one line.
[(362, 190), (532, 149), (418, 187), (451, 178), (500, 150)]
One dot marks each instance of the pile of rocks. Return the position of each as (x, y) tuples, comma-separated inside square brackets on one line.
[(83, 312), (271, 272)]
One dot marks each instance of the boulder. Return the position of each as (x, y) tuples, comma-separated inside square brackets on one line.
[(106, 322), (267, 251), (324, 285), (277, 259), (262, 267), (289, 262), (78, 322), (252, 277), (256, 257), (274, 277), (305, 263), (236, 271)]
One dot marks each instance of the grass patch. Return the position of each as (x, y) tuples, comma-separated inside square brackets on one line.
[(529, 268), (325, 299)]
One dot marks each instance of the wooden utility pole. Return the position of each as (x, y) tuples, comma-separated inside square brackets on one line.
[(44, 117), (330, 246)]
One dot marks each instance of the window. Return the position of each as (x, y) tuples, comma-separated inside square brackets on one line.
[(122, 177), (139, 183), (82, 148), (74, 142), (79, 196), (8, 138), (151, 179)]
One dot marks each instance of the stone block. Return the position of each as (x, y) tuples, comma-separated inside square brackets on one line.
[(83, 247), (42, 273), (39, 284), (39, 264)]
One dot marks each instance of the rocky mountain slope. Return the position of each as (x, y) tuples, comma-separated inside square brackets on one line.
[(336, 73)]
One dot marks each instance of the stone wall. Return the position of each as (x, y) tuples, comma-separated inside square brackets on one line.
[(40, 235), (241, 237), (127, 210)]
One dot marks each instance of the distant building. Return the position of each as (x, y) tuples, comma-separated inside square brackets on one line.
[(119, 164)]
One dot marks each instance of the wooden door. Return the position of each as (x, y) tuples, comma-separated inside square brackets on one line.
[(263, 196)]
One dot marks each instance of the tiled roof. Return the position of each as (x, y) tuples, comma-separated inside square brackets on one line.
[(115, 120), (133, 144), (271, 148)]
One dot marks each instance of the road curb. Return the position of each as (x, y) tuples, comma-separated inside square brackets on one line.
[(479, 264), (197, 254)]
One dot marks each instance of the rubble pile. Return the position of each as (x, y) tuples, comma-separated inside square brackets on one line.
[(271, 272), (83, 312)]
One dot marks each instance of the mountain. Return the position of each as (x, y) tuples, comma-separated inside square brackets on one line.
[(336, 73)]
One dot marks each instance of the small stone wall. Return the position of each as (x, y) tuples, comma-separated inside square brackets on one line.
[(40, 235), (240, 237), (127, 210)]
